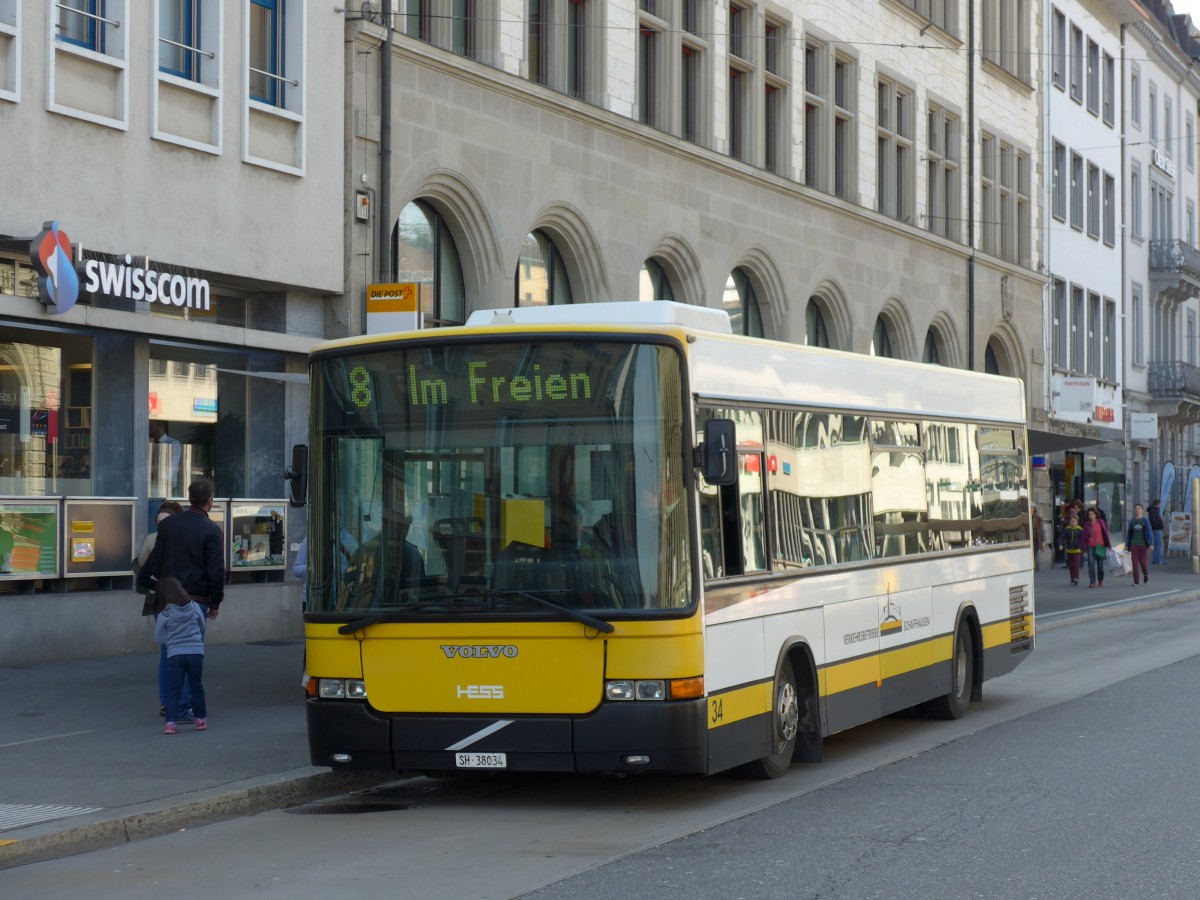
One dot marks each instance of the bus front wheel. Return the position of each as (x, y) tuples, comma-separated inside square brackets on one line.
[(953, 705), (785, 724)]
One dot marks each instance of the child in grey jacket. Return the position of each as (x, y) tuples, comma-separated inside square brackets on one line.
[(179, 626)]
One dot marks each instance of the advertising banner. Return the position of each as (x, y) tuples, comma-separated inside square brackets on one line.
[(29, 539), (1179, 534), (256, 534)]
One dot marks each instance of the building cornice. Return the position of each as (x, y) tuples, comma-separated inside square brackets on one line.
[(1167, 53)]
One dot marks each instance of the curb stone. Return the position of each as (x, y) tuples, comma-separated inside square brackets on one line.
[(50, 840)]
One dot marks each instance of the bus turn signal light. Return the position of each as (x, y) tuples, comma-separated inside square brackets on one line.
[(687, 688)]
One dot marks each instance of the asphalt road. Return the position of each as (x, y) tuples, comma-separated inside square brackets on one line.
[(1074, 778), (1092, 798)]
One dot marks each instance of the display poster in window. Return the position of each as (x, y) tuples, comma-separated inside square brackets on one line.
[(256, 534), (98, 536), (28, 540)]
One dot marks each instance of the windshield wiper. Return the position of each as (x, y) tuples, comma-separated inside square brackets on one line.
[(386, 615), (492, 595), (576, 614)]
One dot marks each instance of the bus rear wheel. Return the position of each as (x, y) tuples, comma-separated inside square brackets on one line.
[(785, 725), (962, 671)]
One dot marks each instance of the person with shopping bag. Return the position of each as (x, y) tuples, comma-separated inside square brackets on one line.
[(1096, 544)]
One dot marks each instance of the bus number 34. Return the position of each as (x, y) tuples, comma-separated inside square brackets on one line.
[(718, 710)]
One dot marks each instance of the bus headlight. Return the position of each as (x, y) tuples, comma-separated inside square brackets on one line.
[(651, 690), (618, 690), (636, 690), (341, 689)]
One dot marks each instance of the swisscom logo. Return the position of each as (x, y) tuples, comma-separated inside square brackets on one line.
[(58, 282)]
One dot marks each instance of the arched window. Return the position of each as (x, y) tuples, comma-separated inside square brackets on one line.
[(653, 283), (815, 332), (741, 302), (541, 278), (991, 363), (932, 355), (881, 340), (425, 254)]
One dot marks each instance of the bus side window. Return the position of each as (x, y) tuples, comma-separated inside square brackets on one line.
[(731, 530), (712, 557)]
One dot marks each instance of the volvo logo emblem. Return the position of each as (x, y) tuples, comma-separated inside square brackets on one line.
[(479, 651)]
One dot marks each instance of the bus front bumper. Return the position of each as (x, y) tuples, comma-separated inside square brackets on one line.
[(617, 737)]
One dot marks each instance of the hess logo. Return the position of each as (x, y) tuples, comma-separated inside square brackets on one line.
[(479, 651), (481, 691)]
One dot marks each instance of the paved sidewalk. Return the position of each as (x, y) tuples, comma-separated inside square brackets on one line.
[(84, 763), (1055, 596)]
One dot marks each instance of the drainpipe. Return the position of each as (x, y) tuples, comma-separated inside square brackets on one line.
[(1126, 294), (971, 185), (383, 265)]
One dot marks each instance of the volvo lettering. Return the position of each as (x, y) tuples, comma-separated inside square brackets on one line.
[(493, 651)]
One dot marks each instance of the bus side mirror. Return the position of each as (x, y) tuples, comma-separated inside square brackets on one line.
[(718, 453), (296, 475)]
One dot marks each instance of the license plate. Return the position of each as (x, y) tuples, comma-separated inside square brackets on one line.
[(481, 760)]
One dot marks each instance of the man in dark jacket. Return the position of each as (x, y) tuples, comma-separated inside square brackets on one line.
[(188, 547), (1154, 514)]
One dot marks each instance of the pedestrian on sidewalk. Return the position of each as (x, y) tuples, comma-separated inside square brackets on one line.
[(179, 628), (1096, 542), (1138, 538), (168, 509), (1070, 542), (189, 549), (1154, 514)]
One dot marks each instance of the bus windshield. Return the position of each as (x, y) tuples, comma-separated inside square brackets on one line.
[(531, 478)]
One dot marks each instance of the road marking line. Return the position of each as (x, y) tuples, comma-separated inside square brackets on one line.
[(14, 816), (1078, 609), (49, 737)]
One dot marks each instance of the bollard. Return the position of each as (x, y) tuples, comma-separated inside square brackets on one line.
[(1195, 541)]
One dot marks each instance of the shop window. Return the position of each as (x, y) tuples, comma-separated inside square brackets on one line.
[(45, 414), (212, 417)]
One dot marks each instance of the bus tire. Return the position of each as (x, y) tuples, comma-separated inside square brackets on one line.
[(785, 725), (962, 674)]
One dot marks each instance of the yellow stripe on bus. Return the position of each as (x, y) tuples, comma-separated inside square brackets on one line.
[(739, 703), (848, 675), (1000, 633), (913, 657)]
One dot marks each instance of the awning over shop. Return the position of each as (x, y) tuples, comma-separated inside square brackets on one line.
[(1046, 441)]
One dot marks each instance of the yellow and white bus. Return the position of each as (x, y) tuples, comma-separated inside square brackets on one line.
[(615, 537)]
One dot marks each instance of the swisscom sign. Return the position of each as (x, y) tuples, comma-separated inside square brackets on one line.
[(58, 280)]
